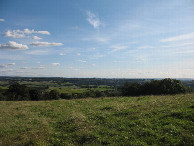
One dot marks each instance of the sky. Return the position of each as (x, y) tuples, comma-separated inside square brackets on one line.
[(98, 38)]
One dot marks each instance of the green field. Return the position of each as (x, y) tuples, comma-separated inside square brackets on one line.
[(148, 120)]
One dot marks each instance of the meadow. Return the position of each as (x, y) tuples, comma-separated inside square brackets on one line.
[(144, 120)]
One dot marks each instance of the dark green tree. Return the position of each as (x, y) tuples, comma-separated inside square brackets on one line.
[(155, 87), (65, 96), (53, 94), (17, 91), (131, 89), (35, 94)]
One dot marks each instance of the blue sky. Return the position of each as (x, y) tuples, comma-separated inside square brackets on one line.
[(98, 38)]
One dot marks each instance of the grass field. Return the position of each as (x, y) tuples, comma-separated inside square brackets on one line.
[(148, 120)]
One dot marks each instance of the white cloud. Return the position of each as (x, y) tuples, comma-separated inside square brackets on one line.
[(141, 59), (83, 61), (14, 34), (62, 54), (97, 39), (24, 68), (3, 65), (78, 54), (22, 33), (178, 45), (36, 38), (102, 40), (37, 52), (96, 56), (2, 19), (118, 61), (185, 52), (40, 67), (45, 44), (43, 32), (11, 64), (179, 38), (117, 48), (55, 64), (28, 31), (6, 65), (11, 45), (93, 19)]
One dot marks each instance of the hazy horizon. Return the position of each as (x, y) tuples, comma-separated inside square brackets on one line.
[(97, 39)]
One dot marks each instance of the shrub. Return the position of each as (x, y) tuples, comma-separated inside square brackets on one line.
[(45, 95), (2, 97), (112, 93), (65, 96)]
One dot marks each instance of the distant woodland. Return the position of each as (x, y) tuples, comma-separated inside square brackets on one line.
[(84, 88)]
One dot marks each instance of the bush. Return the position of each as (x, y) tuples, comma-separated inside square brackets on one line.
[(94, 93), (2, 97), (65, 96), (112, 93), (45, 95)]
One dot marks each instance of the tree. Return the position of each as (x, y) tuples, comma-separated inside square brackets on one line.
[(172, 86), (131, 89), (35, 94), (53, 94), (18, 92), (156, 87)]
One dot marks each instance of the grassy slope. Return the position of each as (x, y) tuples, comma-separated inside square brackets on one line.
[(149, 120)]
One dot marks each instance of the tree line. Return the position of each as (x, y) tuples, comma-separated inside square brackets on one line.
[(155, 87), (19, 92)]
